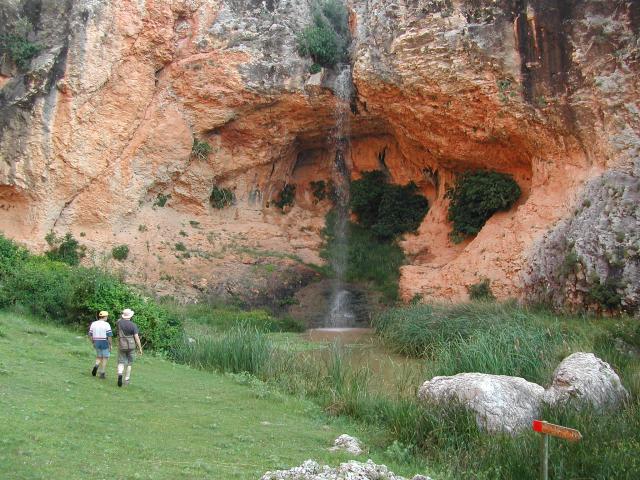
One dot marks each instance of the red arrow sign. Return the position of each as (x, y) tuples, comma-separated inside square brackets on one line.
[(559, 431)]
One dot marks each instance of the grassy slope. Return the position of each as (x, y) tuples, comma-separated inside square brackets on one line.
[(171, 422)]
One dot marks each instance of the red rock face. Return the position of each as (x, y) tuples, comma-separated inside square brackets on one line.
[(438, 92)]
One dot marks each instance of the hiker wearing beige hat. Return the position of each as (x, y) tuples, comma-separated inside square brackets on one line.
[(100, 335), (128, 339)]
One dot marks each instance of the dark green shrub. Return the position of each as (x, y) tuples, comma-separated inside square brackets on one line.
[(388, 210), (200, 149), (476, 196), (326, 40), (315, 68), (319, 189), (286, 197), (181, 247), (121, 252), (481, 290), (64, 249), (606, 294), (11, 255), (18, 47), (221, 197), (161, 200)]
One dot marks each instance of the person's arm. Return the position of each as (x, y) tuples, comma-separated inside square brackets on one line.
[(137, 338), (109, 337)]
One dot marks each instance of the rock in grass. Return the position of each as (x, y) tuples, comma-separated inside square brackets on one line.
[(501, 404), (348, 443), (353, 470), (584, 380)]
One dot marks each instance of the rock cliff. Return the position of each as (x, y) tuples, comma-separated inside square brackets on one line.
[(96, 136)]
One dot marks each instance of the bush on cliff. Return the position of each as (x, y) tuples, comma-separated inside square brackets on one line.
[(72, 295), (388, 210), (326, 39), (476, 196)]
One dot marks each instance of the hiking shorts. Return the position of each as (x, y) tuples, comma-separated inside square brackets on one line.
[(102, 352), (126, 357)]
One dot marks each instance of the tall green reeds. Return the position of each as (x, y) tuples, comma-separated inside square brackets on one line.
[(244, 348)]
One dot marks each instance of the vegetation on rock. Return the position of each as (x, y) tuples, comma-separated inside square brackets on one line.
[(481, 290), (326, 39), (120, 252), (16, 45), (388, 210), (64, 249), (476, 196), (200, 149), (221, 197), (368, 258), (286, 197)]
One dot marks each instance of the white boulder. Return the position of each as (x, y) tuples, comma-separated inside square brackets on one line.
[(501, 404), (347, 443), (584, 380)]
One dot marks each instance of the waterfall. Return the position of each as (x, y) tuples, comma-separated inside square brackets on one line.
[(340, 313)]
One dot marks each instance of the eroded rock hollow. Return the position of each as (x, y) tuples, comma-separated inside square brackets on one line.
[(96, 137)]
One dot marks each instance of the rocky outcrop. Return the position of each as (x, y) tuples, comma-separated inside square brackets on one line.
[(584, 380), (96, 135), (353, 470), (347, 443), (501, 404)]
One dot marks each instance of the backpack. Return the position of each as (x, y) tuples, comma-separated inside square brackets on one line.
[(125, 343)]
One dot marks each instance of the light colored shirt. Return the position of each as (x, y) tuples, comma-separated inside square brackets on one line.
[(99, 331)]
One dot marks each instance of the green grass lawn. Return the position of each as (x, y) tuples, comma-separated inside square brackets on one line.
[(59, 422)]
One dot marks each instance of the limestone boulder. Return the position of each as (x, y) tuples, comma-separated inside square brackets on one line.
[(347, 443), (584, 380), (501, 404), (311, 470)]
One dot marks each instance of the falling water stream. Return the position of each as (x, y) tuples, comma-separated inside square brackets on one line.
[(340, 313)]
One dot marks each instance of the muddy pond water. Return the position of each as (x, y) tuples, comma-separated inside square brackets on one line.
[(364, 353)]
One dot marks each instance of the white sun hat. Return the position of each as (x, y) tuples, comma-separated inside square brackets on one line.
[(127, 313)]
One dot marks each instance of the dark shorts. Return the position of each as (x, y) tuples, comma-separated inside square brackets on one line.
[(126, 356)]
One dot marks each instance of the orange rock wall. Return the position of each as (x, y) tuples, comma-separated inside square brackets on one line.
[(141, 80)]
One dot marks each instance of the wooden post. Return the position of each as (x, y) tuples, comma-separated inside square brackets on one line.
[(546, 429), (544, 457)]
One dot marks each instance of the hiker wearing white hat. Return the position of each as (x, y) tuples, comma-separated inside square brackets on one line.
[(128, 339), (100, 335)]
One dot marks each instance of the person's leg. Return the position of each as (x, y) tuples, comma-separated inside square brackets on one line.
[(96, 366), (120, 371), (131, 356)]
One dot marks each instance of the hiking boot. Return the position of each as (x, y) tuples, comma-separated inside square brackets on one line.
[(94, 371), (126, 381), (119, 380), (103, 376)]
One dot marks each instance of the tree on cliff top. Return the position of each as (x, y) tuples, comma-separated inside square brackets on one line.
[(326, 40)]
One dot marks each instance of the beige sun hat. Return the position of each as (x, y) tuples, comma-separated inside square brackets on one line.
[(127, 313), (103, 313)]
